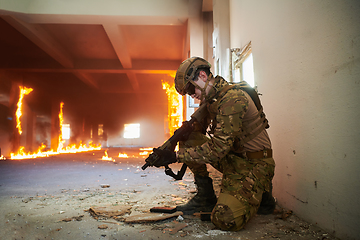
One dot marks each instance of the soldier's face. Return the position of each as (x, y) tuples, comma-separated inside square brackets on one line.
[(197, 93)]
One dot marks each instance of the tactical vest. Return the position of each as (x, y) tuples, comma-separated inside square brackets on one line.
[(258, 122)]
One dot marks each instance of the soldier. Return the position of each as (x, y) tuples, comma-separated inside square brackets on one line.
[(237, 145)]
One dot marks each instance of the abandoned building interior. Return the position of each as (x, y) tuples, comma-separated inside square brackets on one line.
[(100, 74)]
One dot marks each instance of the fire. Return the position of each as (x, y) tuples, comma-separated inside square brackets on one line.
[(123, 155), (61, 120), (175, 107), (106, 157), (142, 153), (76, 148), (145, 151), (23, 91), (21, 154), (73, 148)]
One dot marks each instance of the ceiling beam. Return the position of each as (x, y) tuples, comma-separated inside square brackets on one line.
[(48, 44), (86, 78), (117, 39), (133, 80), (118, 42), (42, 39)]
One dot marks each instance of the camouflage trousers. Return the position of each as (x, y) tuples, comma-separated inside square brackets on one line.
[(243, 183)]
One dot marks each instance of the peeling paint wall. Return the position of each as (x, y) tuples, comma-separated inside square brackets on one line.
[(307, 66)]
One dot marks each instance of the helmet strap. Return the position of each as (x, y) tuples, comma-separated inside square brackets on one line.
[(203, 90)]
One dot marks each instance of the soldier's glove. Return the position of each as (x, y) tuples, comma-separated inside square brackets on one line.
[(189, 129), (166, 157)]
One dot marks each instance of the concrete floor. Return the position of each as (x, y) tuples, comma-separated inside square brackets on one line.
[(49, 198)]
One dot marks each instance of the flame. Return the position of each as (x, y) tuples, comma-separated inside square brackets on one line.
[(23, 91), (80, 147), (73, 148), (61, 120), (2, 157), (144, 153), (146, 149), (106, 157), (123, 155), (175, 107), (21, 154)]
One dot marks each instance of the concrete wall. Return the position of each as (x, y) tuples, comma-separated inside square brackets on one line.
[(221, 37), (307, 66)]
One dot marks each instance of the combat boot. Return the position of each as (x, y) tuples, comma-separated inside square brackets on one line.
[(205, 199), (268, 203)]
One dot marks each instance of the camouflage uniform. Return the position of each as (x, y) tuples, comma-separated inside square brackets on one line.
[(244, 180)]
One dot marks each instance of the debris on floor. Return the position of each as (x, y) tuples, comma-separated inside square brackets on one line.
[(103, 226), (46, 207), (77, 218), (115, 212), (151, 217)]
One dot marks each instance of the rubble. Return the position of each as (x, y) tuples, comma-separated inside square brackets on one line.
[(84, 206), (77, 218), (107, 212), (151, 217), (104, 226)]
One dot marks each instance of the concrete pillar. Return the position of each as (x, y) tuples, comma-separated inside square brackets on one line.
[(95, 136), (195, 29), (14, 97), (55, 130), (196, 41), (30, 117), (208, 31), (221, 37)]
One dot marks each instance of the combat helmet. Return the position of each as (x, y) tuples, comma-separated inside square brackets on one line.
[(186, 73)]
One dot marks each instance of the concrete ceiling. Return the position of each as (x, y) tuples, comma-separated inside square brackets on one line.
[(101, 58), (115, 54), (96, 53)]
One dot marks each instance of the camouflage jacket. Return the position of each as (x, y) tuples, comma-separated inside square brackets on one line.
[(227, 113)]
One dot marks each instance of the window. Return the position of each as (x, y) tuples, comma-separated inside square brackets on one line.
[(242, 63), (193, 103), (65, 131), (248, 71), (100, 129), (132, 130)]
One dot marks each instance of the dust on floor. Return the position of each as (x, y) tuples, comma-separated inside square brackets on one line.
[(51, 199)]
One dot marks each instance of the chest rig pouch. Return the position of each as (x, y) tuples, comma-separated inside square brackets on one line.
[(250, 128)]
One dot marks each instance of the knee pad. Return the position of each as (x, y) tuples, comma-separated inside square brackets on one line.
[(229, 213)]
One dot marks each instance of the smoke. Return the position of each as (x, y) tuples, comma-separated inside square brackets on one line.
[(43, 130), (5, 130)]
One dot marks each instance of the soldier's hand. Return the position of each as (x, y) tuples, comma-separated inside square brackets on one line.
[(166, 157), (189, 129)]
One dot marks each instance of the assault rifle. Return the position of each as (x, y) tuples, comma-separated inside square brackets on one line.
[(170, 144)]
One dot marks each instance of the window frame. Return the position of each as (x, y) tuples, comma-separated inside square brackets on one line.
[(238, 57)]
